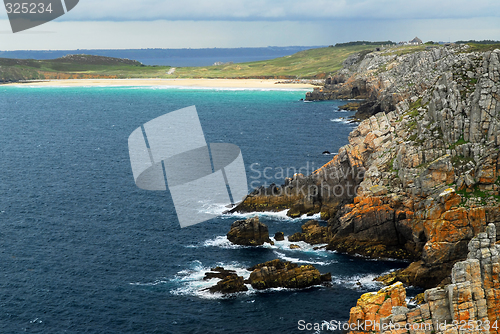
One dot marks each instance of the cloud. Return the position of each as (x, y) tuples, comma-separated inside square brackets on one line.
[(226, 34), (280, 10)]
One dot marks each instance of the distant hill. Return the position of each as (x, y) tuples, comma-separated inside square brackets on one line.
[(308, 64), (170, 57)]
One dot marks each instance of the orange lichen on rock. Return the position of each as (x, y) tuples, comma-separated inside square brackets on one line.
[(374, 306)]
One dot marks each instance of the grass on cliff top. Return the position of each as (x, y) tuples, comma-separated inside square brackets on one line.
[(482, 47), (314, 63)]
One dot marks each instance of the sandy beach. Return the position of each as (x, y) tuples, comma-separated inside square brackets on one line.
[(196, 83)]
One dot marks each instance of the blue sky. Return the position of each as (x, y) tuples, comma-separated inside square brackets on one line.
[(242, 23)]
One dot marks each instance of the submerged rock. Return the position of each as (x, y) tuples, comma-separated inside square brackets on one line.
[(284, 274), (250, 232)]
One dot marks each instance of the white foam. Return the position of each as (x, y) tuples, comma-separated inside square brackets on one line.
[(297, 260), (192, 282), (280, 215), (213, 208), (359, 282), (343, 120), (221, 242)]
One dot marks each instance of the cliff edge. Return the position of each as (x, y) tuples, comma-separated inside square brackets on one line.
[(469, 304), (420, 177)]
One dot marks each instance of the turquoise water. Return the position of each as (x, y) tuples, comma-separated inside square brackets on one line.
[(83, 250)]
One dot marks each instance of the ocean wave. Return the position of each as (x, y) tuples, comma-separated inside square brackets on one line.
[(221, 242), (283, 256), (280, 215), (343, 120), (317, 250), (315, 253), (192, 284), (360, 282)]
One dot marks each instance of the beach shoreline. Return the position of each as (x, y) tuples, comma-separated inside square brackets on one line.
[(271, 84)]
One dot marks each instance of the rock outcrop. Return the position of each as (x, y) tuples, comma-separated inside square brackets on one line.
[(249, 232), (372, 307), (418, 179), (271, 274), (284, 274), (471, 303), (230, 282), (279, 236), (312, 233)]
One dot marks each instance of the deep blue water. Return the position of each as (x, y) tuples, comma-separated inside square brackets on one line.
[(83, 250)]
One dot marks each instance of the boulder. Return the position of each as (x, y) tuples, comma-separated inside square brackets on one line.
[(250, 232), (279, 236), (284, 274)]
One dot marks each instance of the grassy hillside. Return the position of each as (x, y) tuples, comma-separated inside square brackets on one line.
[(76, 67), (315, 63)]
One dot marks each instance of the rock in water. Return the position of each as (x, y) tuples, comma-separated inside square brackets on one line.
[(279, 236), (284, 274), (218, 272), (312, 233), (250, 232), (230, 282)]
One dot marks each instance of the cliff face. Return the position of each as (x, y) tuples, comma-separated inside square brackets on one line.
[(418, 180), (469, 304)]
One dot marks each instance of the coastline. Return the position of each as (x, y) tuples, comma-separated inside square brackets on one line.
[(271, 84)]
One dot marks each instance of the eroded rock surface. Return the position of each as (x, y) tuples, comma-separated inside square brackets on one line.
[(312, 233), (284, 274), (229, 282), (473, 298), (249, 232)]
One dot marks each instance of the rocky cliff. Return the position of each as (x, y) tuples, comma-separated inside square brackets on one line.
[(419, 179), (469, 304)]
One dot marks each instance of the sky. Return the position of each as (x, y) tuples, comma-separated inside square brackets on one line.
[(127, 24)]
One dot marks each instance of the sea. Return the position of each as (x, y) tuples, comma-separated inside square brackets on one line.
[(83, 250)]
